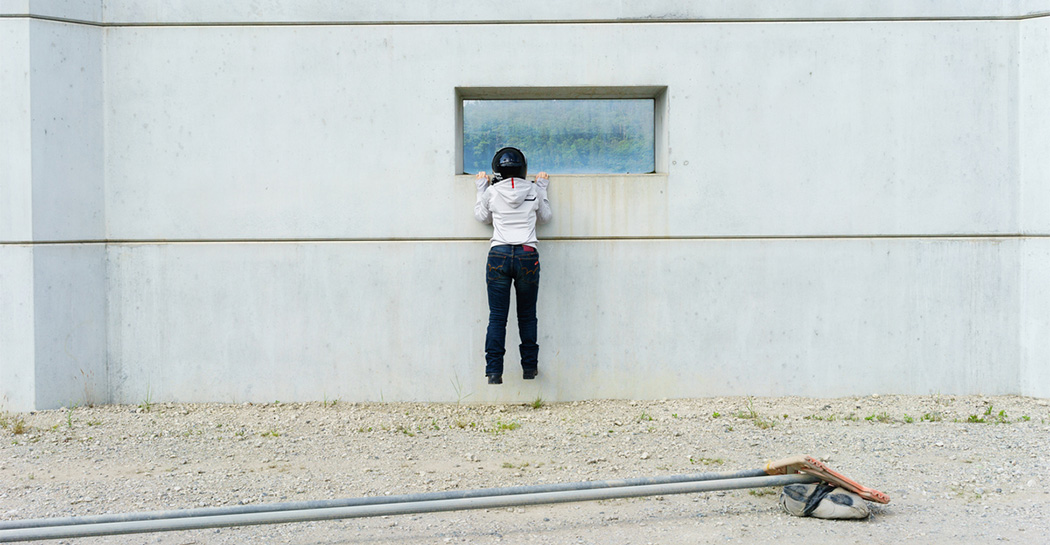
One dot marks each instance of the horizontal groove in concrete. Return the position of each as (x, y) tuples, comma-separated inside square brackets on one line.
[(542, 240), (120, 24)]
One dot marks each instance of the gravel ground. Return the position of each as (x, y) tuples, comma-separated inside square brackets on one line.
[(958, 469)]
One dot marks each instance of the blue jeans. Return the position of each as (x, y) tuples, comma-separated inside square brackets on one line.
[(520, 266)]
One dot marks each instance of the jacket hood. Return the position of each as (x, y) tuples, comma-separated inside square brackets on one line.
[(513, 190)]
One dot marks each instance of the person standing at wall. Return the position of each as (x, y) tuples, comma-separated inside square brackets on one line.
[(513, 206)]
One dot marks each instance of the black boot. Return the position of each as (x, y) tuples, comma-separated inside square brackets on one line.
[(495, 379)]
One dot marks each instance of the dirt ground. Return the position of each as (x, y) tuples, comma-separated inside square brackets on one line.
[(958, 469)]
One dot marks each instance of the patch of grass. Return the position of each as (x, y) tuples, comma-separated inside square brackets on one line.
[(908, 419), (645, 417), (764, 424), (537, 403), (751, 414), (749, 406), (502, 426), (935, 416), (962, 492), (15, 423), (706, 461), (403, 429), (327, 403), (883, 417), (458, 387), (989, 417), (716, 414), (147, 403), (271, 433)]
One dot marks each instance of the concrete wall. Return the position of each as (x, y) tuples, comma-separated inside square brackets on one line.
[(52, 280), (1035, 205), (854, 201)]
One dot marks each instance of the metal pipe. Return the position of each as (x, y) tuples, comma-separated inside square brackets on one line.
[(403, 508), (350, 502)]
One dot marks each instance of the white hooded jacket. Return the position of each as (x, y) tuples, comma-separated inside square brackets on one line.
[(513, 207)]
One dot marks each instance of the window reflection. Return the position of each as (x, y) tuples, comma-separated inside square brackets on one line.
[(591, 136)]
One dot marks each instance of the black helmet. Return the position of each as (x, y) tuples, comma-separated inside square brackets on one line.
[(509, 163)]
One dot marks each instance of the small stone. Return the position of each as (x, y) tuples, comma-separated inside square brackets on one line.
[(645, 455)]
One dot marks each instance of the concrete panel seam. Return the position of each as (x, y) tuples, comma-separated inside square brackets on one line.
[(551, 239), (104, 24)]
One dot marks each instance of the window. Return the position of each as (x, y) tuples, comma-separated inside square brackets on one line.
[(563, 131)]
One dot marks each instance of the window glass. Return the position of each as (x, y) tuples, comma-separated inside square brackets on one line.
[(587, 136)]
